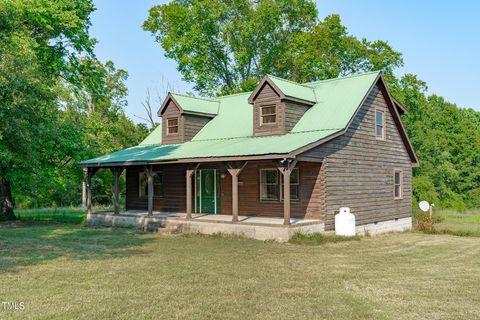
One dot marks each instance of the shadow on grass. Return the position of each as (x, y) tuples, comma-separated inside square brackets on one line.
[(30, 243)]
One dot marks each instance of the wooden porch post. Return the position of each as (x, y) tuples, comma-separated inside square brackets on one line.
[(116, 176), (88, 182), (149, 174), (84, 188), (286, 167), (188, 177), (235, 172)]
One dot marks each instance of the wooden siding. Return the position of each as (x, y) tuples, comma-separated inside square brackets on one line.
[(172, 111), (358, 169), (174, 199), (294, 111), (265, 97), (288, 112), (188, 125), (192, 125), (309, 205)]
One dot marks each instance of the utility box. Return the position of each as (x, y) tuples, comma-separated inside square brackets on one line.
[(345, 223)]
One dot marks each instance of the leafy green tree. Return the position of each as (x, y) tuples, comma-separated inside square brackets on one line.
[(36, 49), (227, 46), (58, 104)]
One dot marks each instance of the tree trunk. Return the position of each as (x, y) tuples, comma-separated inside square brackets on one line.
[(6, 200)]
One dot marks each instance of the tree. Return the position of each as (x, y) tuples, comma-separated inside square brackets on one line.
[(227, 46), (35, 51)]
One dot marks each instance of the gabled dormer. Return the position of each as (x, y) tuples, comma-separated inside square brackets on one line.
[(184, 116), (278, 105)]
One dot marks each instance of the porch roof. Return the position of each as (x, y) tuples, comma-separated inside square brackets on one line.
[(214, 148)]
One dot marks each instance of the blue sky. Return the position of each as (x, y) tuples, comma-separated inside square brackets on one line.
[(439, 41)]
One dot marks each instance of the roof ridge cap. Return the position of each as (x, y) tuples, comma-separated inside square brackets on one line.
[(341, 78), (193, 97), (287, 80), (233, 94)]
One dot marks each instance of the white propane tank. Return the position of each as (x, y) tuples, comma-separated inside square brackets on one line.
[(345, 223)]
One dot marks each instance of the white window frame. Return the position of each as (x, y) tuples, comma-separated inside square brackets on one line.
[(169, 126), (261, 183), (280, 185), (400, 184), (268, 115), (383, 137)]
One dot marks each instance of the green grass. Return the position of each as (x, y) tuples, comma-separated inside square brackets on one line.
[(66, 215), (318, 238), (65, 271), (462, 223)]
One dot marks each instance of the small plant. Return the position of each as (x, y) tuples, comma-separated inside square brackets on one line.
[(318, 238), (425, 222)]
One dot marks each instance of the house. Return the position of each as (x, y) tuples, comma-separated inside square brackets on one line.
[(287, 151)]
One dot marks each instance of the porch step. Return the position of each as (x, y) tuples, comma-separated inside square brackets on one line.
[(170, 227)]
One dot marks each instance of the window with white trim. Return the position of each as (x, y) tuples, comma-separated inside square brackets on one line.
[(380, 125), (268, 114), (172, 126), (397, 184), (158, 188), (271, 185)]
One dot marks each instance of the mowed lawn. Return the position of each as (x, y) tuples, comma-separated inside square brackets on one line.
[(66, 271)]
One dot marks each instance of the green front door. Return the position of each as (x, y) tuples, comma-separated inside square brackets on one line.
[(208, 191)]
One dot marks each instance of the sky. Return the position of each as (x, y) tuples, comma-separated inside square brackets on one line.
[(439, 40)]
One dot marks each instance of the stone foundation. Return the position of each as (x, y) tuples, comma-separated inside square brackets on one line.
[(395, 225)]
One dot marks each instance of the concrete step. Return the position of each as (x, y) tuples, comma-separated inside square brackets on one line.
[(170, 227)]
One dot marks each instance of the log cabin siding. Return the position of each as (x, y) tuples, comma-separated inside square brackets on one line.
[(188, 125), (192, 125), (288, 113), (308, 206), (293, 113), (172, 111), (359, 168), (268, 96), (174, 181)]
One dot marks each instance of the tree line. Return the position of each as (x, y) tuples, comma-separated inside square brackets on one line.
[(59, 104)]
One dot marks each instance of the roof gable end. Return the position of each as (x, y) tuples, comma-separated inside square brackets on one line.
[(286, 90)]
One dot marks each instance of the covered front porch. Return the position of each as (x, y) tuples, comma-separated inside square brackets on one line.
[(271, 191), (260, 228)]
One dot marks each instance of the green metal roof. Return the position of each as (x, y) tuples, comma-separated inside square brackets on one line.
[(247, 146), (155, 137), (230, 132), (293, 89), (195, 104)]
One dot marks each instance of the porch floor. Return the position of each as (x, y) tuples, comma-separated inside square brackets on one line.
[(218, 218)]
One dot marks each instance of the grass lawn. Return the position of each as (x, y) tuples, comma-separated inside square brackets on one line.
[(65, 271), (466, 222)]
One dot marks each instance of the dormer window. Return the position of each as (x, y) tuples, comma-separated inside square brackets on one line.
[(172, 126), (268, 114)]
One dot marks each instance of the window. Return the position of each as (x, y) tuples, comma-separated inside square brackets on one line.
[(172, 126), (379, 125), (268, 115), (157, 184), (271, 185), (294, 185), (397, 184)]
